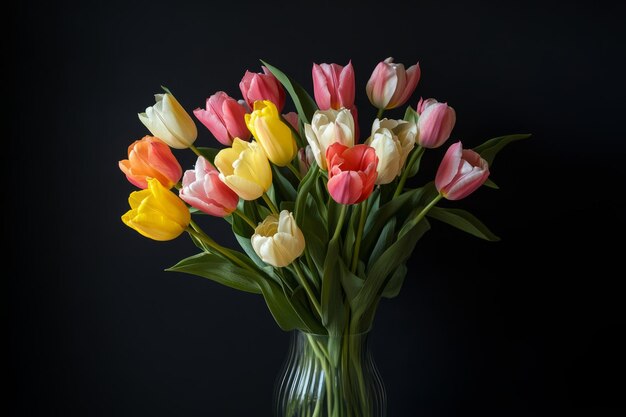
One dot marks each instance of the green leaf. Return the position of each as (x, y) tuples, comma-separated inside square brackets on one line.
[(491, 184), (490, 148), (383, 269), (393, 287), (415, 166), (284, 188), (410, 115), (464, 221), (305, 105), (384, 240), (208, 153), (218, 269), (280, 306), (351, 283), (303, 191)]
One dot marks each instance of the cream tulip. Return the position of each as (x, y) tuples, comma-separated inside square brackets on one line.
[(326, 128), (278, 240), (168, 121), (393, 140)]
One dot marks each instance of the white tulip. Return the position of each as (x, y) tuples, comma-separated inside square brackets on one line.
[(326, 128), (277, 240), (392, 140), (168, 121)]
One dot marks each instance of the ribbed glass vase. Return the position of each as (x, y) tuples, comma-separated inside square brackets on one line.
[(330, 376)]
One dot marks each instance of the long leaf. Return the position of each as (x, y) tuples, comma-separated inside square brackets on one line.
[(305, 105), (218, 269), (464, 221), (490, 148)]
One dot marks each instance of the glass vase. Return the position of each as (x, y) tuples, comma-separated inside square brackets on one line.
[(330, 376)]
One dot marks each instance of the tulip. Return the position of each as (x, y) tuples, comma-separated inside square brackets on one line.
[(245, 169), (224, 117), (305, 160), (156, 212), (168, 121), (333, 86), (435, 123), (259, 87), (390, 85), (277, 240), (273, 134), (351, 172), (293, 119), (328, 127), (392, 140), (203, 189), (151, 158), (461, 172)]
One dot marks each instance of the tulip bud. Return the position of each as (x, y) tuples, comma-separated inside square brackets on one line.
[(151, 158), (168, 121), (224, 117), (435, 123), (271, 133), (203, 189), (277, 240), (157, 213), (326, 128), (461, 172), (351, 172), (305, 159), (259, 87), (392, 140), (245, 169), (390, 85), (333, 86)]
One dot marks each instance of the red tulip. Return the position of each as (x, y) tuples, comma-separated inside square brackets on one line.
[(351, 172), (224, 117), (333, 86), (259, 87), (203, 189), (150, 157), (461, 172)]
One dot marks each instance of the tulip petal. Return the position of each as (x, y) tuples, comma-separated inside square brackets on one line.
[(449, 164)]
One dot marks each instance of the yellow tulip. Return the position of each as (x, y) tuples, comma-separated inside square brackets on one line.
[(273, 134), (156, 212), (245, 169)]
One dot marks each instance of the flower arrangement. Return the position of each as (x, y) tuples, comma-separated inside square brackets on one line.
[(323, 214)]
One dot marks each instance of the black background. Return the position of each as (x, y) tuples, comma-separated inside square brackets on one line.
[(530, 326)]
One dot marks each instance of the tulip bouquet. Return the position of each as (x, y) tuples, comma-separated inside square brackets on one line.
[(324, 218)]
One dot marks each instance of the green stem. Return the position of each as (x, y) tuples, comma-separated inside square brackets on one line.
[(305, 283), (294, 171), (196, 232), (342, 215), (269, 203), (245, 218), (359, 235), (195, 150), (407, 168), (425, 210), (380, 113)]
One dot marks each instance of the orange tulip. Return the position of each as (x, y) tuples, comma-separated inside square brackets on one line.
[(150, 157)]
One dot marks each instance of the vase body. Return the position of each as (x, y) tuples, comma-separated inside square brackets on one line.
[(330, 376)]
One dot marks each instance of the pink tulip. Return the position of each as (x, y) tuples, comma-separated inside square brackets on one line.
[(203, 189), (351, 172), (461, 172), (391, 85), (435, 123), (150, 157), (224, 117), (333, 86), (264, 86), (292, 119)]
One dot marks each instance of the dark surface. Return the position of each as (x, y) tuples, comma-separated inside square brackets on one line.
[(529, 326)]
